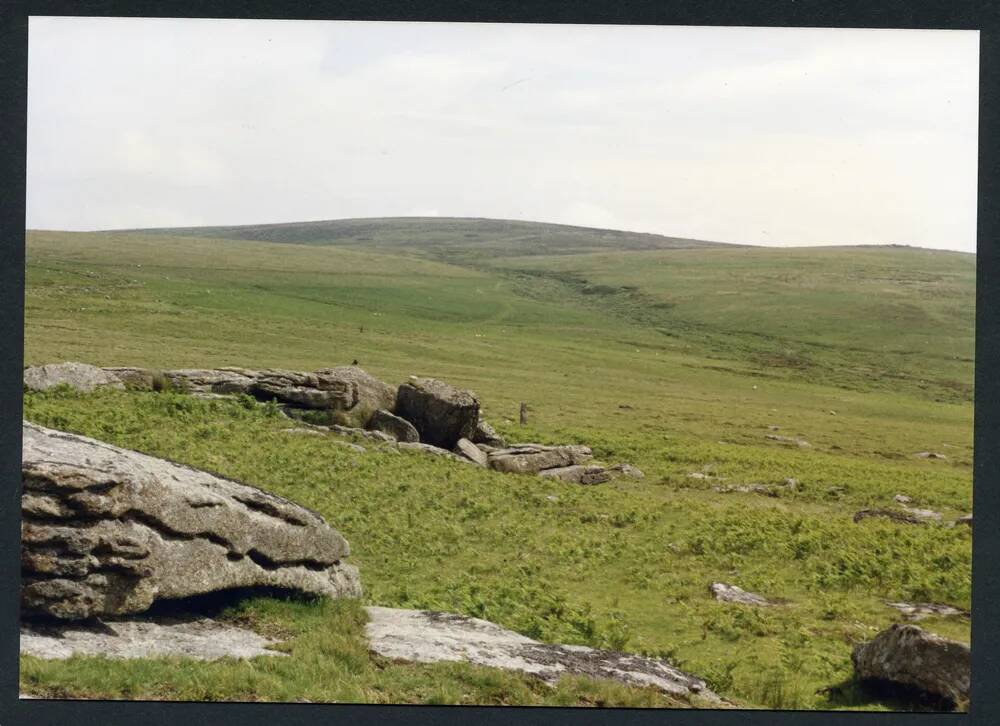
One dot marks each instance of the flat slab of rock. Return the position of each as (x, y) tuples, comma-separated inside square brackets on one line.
[(921, 610), (578, 474), (223, 381), (896, 515), (398, 428), (433, 450), (108, 531), (429, 637), (470, 451), (533, 458), (78, 376), (965, 519), (788, 440), (906, 655), (633, 472), (731, 593), (197, 638), (441, 413)]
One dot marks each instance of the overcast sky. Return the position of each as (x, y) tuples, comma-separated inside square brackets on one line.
[(764, 136)]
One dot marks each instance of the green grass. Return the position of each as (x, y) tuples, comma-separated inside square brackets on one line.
[(687, 387)]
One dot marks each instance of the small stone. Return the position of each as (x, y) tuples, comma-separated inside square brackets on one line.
[(398, 428), (627, 470), (578, 474), (902, 499), (732, 593), (930, 455)]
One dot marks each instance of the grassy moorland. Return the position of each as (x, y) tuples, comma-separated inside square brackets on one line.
[(672, 355)]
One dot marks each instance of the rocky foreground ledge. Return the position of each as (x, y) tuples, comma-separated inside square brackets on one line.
[(108, 531)]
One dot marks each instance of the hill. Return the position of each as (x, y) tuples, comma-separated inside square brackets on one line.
[(681, 361), (442, 236)]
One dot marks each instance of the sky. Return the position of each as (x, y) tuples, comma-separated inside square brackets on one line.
[(771, 136)]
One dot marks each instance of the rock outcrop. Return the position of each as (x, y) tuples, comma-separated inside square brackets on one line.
[(197, 638), (486, 434), (347, 393), (79, 376), (895, 515), (908, 656), (921, 610), (398, 428), (429, 637), (441, 413), (533, 458), (109, 531)]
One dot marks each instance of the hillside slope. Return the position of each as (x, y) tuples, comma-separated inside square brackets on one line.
[(440, 236)]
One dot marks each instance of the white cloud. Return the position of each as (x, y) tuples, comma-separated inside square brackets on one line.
[(772, 136)]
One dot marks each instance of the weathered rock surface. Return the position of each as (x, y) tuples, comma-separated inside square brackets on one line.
[(141, 379), (895, 515), (398, 428), (441, 413), (79, 376), (486, 434), (921, 610), (224, 381), (533, 458), (470, 451), (930, 455), (350, 394), (578, 474), (109, 531), (429, 637), (628, 470), (927, 514), (197, 638), (731, 593), (906, 655), (363, 433)]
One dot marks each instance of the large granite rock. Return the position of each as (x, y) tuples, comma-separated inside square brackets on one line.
[(909, 656), (79, 376), (348, 393), (109, 531), (429, 637), (398, 428), (533, 458), (486, 434), (441, 413)]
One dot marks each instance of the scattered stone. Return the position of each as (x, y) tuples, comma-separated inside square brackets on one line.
[(801, 443), (470, 451), (791, 483), (928, 514), (398, 428), (108, 531), (908, 656), (731, 593), (902, 499), (746, 489), (965, 519), (430, 637), (441, 413), (628, 470), (78, 376), (533, 458), (921, 610), (699, 475), (486, 434), (578, 474), (774, 428), (893, 514), (930, 455), (552, 498), (197, 638)]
